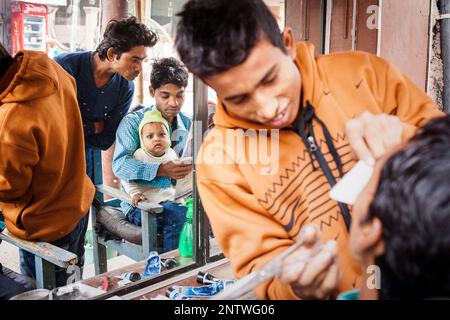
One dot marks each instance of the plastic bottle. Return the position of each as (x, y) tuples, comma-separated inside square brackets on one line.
[(186, 242)]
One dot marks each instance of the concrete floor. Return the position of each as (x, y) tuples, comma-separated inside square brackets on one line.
[(9, 256)]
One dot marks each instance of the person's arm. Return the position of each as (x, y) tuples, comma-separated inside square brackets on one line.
[(105, 139), (404, 105), (404, 99), (129, 169), (131, 188)]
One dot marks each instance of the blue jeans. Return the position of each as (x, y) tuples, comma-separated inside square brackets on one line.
[(73, 242), (171, 222), (9, 288)]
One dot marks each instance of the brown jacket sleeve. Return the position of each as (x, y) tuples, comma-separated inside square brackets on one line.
[(400, 96)]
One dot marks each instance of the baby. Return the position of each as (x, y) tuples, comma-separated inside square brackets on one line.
[(155, 148)]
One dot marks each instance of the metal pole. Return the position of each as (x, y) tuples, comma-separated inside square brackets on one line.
[(444, 10), (74, 26), (200, 125), (141, 15)]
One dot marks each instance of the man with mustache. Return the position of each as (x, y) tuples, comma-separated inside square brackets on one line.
[(105, 80)]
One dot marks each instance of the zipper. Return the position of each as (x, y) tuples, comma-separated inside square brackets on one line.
[(314, 149), (312, 144)]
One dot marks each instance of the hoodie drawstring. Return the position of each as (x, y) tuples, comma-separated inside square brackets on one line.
[(305, 121), (304, 127)]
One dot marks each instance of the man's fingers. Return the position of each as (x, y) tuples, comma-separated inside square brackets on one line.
[(393, 129), (331, 279), (324, 285), (295, 263), (318, 264), (371, 136), (137, 198), (292, 272), (174, 169), (182, 169), (179, 173), (180, 164), (355, 134), (374, 139)]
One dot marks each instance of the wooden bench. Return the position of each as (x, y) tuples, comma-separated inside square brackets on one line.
[(47, 256)]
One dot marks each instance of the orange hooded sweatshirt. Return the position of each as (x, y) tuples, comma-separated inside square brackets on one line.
[(44, 189), (256, 209)]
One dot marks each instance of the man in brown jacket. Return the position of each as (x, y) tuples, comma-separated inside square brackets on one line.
[(45, 193), (286, 128)]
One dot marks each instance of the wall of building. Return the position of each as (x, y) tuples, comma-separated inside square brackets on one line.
[(405, 37), (435, 70), (5, 20), (396, 30)]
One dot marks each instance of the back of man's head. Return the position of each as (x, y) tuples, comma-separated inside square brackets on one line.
[(214, 36), (5, 60), (413, 204), (123, 35)]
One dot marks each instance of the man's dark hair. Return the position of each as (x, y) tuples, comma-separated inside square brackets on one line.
[(5, 60), (413, 203), (214, 36), (123, 35), (168, 70)]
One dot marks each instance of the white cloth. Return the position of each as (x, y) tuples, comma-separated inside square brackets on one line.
[(154, 195)]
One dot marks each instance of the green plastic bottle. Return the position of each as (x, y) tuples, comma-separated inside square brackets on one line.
[(186, 242)]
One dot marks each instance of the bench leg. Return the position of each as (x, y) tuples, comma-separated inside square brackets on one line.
[(45, 274), (149, 233), (100, 258)]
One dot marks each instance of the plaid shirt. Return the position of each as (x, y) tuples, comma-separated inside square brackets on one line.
[(128, 141)]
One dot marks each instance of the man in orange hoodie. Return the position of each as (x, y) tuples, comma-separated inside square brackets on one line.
[(45, 193), (288, 126)]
